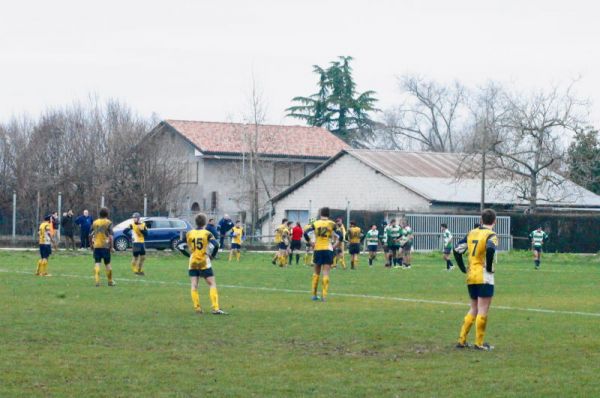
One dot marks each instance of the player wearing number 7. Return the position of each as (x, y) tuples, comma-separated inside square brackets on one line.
[(201, 246), (480, 245)]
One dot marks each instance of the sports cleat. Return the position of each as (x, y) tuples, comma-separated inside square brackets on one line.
[(97, 284), (112, 283), (218, 312), (484, 347), (141, 273), (407, 267), (46, 274), (463, 345), (198, 312), (315, 298)]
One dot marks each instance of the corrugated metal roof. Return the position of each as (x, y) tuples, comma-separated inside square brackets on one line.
[(433, 176), (215, 137)]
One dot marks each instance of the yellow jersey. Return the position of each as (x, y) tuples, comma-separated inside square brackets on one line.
[(324, 234), (281, 233), (137, 234), (45, 233), (478, 240), (102, 231), (354, 234), (198, 241), (237, 235)]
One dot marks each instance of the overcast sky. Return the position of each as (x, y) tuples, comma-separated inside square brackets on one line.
[(193, 59)]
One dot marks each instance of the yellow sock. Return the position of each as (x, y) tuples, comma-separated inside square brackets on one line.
[(335, 260), (44, 267), (97, 273), (325, 285), (343, 262), (466, 327), (134, 266), (230, 255), (281, 260), (214, 298), (38, 270), (109, 275), (196, 300), (480, 324), (315, 284), (238, 255)]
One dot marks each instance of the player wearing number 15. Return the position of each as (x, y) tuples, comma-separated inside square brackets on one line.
[(201, 246), (480, 245), (326, 240)]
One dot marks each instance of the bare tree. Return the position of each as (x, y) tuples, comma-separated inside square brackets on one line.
[(430, 116)]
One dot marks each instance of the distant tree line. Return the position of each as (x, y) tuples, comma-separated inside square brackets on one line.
[(85, 151)]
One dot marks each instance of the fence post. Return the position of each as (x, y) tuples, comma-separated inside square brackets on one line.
[(145, 204), (309, 209), (102, 201), (14, 218), (347, 215), (59, 207)]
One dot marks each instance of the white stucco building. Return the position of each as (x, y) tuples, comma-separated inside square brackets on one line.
[(396, 183), (215, 159)]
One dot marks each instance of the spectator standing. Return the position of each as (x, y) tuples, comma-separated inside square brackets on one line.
[(225, 226), (296, 244), (68, 228), (85, 225), (55, 230), (212, 228)]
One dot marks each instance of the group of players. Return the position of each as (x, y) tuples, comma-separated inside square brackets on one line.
[(324, 239)]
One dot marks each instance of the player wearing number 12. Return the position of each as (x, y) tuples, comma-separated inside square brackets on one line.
[(480, 245), (201, 246), (326, 240)]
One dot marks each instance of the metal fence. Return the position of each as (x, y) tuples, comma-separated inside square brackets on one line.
[(428, 236)]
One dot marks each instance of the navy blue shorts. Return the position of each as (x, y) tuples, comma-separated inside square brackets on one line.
[(480, 290), (236, 246), (407, 246), (139, 249), (282, 246), (447, 250), (354, 248), (45, 251), (296, 245), (386, 249), (537, 248), (393, 248), (323, 257), (203, 273), (372, 248), (102, 254)]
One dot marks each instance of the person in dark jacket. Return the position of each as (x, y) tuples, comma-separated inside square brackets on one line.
[(225, 226), (212, 228), (85, 224), (68, 229)]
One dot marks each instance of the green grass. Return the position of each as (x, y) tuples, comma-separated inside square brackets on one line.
[(61, 336)]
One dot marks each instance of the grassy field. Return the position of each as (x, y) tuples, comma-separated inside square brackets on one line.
[(383, 333)]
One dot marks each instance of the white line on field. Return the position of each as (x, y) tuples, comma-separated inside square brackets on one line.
[(354, 295)]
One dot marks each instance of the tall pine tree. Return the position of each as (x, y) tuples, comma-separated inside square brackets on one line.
[(337, 106)]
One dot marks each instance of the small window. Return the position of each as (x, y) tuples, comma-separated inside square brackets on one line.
[(214, 201), (195, 207), (179, 224), (297, 215), (162, 224), (309, 168)]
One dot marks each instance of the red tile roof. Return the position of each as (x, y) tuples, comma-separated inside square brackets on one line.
[(273, 140)]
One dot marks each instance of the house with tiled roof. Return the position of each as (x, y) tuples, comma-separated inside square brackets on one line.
[(218, 161)]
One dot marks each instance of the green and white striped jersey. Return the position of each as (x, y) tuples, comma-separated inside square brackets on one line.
[(393, 235), (538, 238), (372, 237), (447, 239)]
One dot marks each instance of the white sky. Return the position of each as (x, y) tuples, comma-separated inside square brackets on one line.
[(193, 59)]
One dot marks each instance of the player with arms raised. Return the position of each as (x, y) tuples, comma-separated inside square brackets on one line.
[(480, 245), (138, 231), (326, 240), (200, 245), (237, 236)]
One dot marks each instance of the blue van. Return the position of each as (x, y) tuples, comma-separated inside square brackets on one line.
[(163, 233)]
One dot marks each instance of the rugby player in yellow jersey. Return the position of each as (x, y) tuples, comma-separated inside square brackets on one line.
[(281, 239), (237, 233), (339, 252), (138, 231), (102, 243), (354, 237), (480, 245), (308, 256), (45, 242), (326, 240), (201, 246)]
